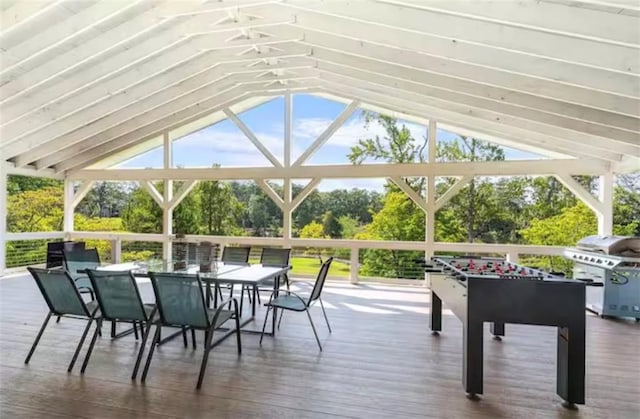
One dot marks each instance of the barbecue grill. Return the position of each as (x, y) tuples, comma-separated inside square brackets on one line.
[(612, 265)]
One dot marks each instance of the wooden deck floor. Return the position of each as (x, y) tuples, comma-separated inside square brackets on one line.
[(380, 362)]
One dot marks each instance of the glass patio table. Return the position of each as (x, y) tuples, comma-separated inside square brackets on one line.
[(221, 273)]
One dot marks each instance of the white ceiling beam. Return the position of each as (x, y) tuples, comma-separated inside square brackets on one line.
[(627, 165), (445, 71), (327, 133), (417, 199), (580, 192), (310, 187), (11, 169), (487, 115), (542, 16), (22, 12), (82, 191), (607, 132), (167, 100), (64, 25), (452, 191), (147, 124), (137, 39), (472, 88), (493, 35), (268, 190), (153, 192), (39, 129), (384, 102), (252, 137), (493, 168), (168, 123), (181, 194), (91, 86), (555, 79)]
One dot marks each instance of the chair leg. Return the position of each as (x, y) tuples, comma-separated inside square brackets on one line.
[(280, 319), (205, 357), (84, 336), (91, 345), (314, 329), (35, 342), (325, 314), (238, 332), (264, 326), (58, 319), (135, 330), (141, 351), (193, 338), (154, 342), (113, 329), (184, 337), (242, 298)]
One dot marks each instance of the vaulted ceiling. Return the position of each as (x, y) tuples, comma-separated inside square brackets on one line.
[(81, 81)]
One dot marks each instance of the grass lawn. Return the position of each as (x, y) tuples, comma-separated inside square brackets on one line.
[(311, 266)]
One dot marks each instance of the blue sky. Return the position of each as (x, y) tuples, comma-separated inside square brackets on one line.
[(224, 144)]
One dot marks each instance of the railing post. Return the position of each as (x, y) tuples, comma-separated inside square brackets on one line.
[(116, 250), (513, 257), (3, 219), (355, 264)]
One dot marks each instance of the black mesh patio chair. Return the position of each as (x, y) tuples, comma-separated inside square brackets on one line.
[(64, 299), (119, 300), (237, 255), (76, 261), (274, 257), (288, 300), (181, 303)]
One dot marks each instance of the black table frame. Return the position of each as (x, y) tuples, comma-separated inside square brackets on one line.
[(524, 301)]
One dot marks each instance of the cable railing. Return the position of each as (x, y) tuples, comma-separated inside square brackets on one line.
[(354, 260)]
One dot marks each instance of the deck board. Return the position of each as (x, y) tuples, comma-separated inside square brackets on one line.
[(379, 362)]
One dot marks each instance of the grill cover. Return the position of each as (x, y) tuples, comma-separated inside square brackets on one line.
[(611, 245)]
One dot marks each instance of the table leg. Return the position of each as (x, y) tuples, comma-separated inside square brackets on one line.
[(254, 290), (274, 310), (436, 314), (571, 364), (472, 358), (497, 330)]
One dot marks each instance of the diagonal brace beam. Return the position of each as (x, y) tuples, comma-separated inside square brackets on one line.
[(82, 191), (270, 192), (331, 129), (304, 193), (415, 196), (579, 191), (452, 191), (251, 136), (181, 194), (157, 196)]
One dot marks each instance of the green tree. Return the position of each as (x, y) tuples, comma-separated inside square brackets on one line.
[(105, 199), (19, 183), (220, 208), (35, 210), (348, 226), (331, 226)]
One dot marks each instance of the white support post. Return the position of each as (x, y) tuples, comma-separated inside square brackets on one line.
[(355, 264), (605, 195), (3, 219), (430, 230), (116, 250), (286, 212), (69, 194), (513, 257), (288, 127), (151, 189), (167, 212)]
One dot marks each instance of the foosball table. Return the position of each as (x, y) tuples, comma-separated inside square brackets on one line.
[(479, 290)]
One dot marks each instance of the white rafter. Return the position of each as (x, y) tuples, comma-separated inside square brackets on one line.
[(417, 199), (277, 199), (295, 202), (252, 137), (151, 189)]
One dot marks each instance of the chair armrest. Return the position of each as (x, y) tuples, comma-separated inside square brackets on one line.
[(221, 308)]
